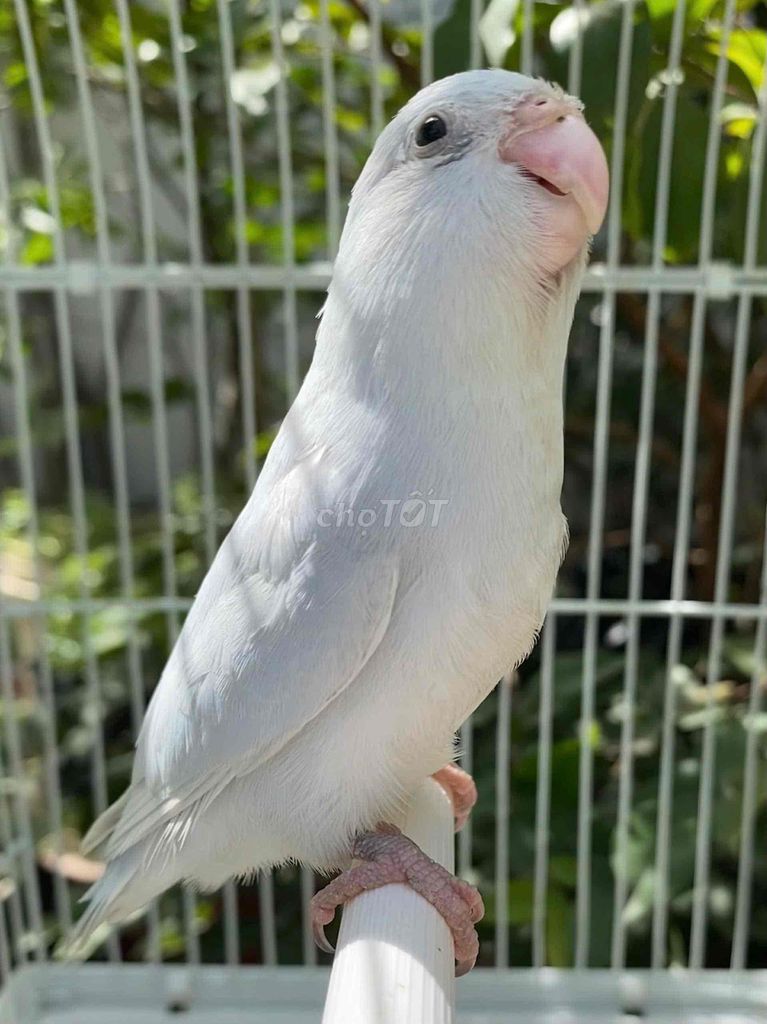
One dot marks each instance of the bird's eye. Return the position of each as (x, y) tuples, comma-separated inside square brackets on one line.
[(432, 129)]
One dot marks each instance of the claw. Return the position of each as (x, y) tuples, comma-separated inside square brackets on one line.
[(320, 939), (385, 856), (463, 967), (461, 789)]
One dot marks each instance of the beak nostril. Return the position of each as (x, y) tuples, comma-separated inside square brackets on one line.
[(554, 146)]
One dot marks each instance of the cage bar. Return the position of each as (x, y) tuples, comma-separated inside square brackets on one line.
[(185, 284), (642, 484), (601, 442)]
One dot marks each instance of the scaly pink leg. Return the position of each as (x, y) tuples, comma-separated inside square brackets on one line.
[(387, 856), (460, 786)]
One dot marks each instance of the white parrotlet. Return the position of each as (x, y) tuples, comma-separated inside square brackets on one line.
[(401, 544)]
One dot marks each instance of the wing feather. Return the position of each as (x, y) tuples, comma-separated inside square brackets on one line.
[(285, 620)]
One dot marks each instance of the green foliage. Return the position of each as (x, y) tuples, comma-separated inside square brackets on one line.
[(635, 859)]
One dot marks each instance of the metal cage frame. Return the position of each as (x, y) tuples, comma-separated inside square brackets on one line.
[(103, 278)]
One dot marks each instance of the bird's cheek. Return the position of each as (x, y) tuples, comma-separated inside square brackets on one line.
[(563, 231)]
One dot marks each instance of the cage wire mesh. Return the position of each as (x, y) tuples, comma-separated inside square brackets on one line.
[(173, 179)]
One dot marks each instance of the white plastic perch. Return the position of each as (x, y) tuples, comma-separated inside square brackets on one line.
[(394, 958)]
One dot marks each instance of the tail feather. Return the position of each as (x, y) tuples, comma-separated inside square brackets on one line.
[(122, 890), (104, 825), (142, 839)]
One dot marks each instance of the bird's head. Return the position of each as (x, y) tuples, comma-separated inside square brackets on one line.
[(485, 162), (467, 234)]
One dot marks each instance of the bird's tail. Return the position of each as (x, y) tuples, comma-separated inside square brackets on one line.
[(122, 890), (103, 827)]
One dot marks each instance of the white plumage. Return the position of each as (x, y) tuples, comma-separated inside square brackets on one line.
[(329, 658)]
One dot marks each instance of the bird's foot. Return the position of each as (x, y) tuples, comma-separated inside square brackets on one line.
[(461, 790), (388, 856)]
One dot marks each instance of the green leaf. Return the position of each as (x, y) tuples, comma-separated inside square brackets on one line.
[(687, 172), (350, 121), (698, 10), (563, 869), (15, 74), (640, 903), (37, 249), (263, 442), (520, 901), (559, 929), (746, 49), (660, 8), (637, 850), (739, 652)]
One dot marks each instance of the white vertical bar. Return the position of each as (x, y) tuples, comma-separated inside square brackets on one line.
[(22, 810), (245, 339), (502, 768), (376, 93), (199, 345), (290, 323), (330, 134), (673, 653), (16, 941), (266, 918), (543, 790), (706, 789), (64, 342), (69, 397), (244, 321), (26, 466), (750, 801), (526, 57), (641, 489), (194, 237), (724, 560), (22, 814), (683, 525), (682, 535), (307, 938), (427, 42), (157, 395), (465, 835), (231, 923), (7, 993), (114, 399), (751, 766), (286, 204), (601, 439), (575, 60), (6, 960), (16, 849), (475, 43)]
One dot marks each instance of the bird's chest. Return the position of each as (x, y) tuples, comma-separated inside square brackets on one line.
[(480, 568), (465, 493), (486, 517), (497, 572)]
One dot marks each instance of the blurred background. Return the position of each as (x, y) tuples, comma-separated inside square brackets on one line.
[(173, 181)]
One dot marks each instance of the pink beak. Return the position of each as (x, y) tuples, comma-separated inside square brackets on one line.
[(551, 141)]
